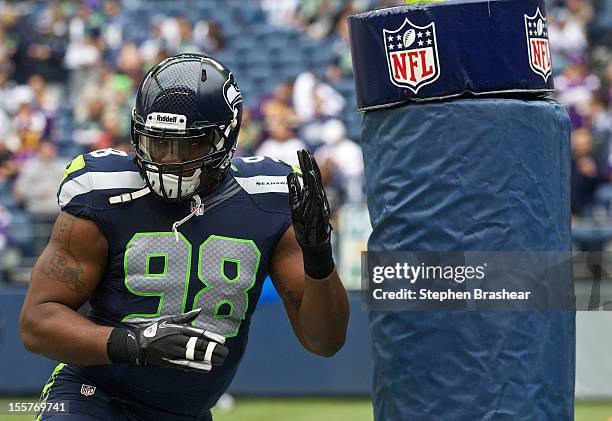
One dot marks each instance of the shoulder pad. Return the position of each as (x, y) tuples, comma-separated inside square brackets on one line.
[(250, 166), (259, 174), (91, 178)]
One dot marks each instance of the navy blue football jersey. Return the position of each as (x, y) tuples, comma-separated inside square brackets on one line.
[(218, 263)]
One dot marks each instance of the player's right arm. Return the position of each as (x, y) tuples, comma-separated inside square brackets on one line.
[(63, 278), (65, 275), (68, 272)]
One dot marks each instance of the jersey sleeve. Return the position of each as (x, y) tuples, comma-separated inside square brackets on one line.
[(91, 179), (265, 181), (75, 193)]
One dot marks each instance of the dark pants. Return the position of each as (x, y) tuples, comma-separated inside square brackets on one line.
[(85, 401)]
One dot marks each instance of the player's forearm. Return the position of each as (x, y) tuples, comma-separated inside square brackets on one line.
[(60, 333), (324, 313)]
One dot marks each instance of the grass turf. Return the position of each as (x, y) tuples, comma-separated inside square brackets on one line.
[(317, 409)]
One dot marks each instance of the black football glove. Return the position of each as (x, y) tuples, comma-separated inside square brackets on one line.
[(169, 342), (310, 217)]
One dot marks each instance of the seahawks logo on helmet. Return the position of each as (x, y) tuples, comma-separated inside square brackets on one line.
[(231, 93)]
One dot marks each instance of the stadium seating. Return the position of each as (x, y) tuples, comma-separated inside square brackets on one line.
[(259, 54)]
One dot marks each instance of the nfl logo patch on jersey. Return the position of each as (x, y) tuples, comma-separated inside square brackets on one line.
[(197, 209), (536, 29), (412, 55), (87, 390)]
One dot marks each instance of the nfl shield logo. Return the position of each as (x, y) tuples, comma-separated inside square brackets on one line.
[(198, 209), (536, 30), (87, 390), (412, 55)]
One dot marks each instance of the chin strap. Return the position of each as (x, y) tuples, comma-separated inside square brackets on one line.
[(128, 197), (196, 209)]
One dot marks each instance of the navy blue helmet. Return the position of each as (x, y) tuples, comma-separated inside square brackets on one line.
[(185, 125)]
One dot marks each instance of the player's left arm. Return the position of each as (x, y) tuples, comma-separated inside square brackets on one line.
[(303, 270)]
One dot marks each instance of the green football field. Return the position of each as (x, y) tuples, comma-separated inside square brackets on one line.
[(320, 410)]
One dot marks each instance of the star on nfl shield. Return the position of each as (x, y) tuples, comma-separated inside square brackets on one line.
[(412, 55), (536, 30)]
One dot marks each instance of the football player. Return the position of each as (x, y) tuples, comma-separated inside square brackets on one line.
[(170, 247)]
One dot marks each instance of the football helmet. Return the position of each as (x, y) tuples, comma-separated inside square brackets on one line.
[(185, 125)]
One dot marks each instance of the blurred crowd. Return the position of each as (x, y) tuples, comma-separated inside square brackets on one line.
[(581, 42), (69, 68)]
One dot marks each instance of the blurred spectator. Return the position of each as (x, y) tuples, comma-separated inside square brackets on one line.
[(588, 172), (36, 187), (89, 121), (208, 37), (6, 86), (281, 12), (37, 183), (110, 135), (112, 28), (8, 132), (78, 23), (40, 49), (313, 131), (278, 105), (312, 96), (5, 223), (47, 101), (600, 27), (170, 32), (566, 35), (343, 63), (599, 119), (344, 157), (154, 44), (130, 62), (185, 37), (84, 53), (8, 168), (29, 122), (319, 16), (580, 10), (608, 84), (83, 59), (575, 89), (4, 46), (281, 142)]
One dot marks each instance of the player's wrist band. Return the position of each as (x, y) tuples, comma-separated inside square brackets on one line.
[(318, 261), (118, 348)]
